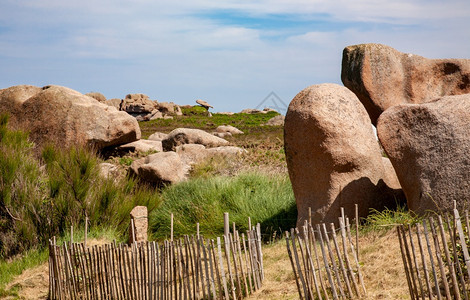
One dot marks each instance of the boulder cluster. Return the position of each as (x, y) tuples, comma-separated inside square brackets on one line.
[(421, 109), (178, 151), (141, 107), (59, 115)]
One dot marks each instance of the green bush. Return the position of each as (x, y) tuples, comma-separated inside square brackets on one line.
[(266, 199), (40, 198)]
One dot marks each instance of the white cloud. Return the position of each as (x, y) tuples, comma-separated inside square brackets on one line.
[(171, 50)]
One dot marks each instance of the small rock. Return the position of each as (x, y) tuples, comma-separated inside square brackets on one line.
[(275, 121), (227, 113), (222, 134), (228, 128), (158, 136), (108, 170), (252, 111), (182, 136), (160, 168), (143, 146)]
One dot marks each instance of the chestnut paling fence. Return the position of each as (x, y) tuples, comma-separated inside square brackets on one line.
[(436, 258), (325, 261), (189, 268)]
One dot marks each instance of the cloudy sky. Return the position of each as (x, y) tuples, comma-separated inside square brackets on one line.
[(232, 54)]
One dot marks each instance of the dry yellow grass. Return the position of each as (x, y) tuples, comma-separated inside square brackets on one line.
[(381, 263)]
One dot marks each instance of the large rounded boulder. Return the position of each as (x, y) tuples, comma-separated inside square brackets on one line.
[(333, 157), (66, 117), (382, 77), (428, 145)]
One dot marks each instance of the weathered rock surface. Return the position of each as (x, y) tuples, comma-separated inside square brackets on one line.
[(66, 117), (428, 145), (191, 153), (182, 136), (228, 128), (332, 155), (275, 121), (169, 108), (138, 104), (382, 77), (114, 102), (222, 134), (158, 136), (97, 96), (139, 215), (204, 104), (160, 168), (225, 151), (142, 146), (156, 114), (12, 98)]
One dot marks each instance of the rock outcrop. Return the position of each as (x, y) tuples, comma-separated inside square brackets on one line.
[(204, 104), (428, 145), (66, 117), (182, 136), (333, 157), (382, 77), (138, 104), (97, 96)]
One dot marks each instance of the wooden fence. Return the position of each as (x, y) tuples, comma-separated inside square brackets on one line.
[(325, 266), (435, 257), (188, 268)]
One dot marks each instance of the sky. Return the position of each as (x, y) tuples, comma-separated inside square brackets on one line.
[(232, 54)]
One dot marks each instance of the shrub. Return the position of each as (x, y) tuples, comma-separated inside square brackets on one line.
[(38, 202)]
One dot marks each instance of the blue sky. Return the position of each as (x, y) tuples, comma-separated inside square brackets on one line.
[(229, 53)]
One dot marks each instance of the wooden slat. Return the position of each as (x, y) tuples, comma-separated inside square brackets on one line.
[(405, 263)]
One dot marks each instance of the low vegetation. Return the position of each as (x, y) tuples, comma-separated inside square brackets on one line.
[(268, 200), (43, 196)]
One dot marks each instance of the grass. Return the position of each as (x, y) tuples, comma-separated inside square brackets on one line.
[(268, 200), (248, 123), (383, 220), (15, 267)]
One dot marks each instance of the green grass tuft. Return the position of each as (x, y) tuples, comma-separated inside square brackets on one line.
[(268, 200), (387, 218)]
